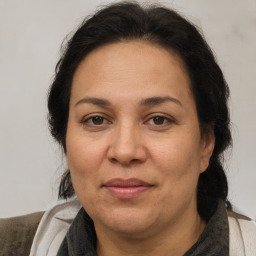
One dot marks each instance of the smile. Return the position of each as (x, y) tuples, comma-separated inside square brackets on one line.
[(126, 189)]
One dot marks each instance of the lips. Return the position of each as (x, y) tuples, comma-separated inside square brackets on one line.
[(126, 188)]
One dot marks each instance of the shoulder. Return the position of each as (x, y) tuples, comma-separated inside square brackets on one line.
[(54, 226), (242, 222), (242, 232), (17, 233)]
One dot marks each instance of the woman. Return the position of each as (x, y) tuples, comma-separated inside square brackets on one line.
[(139, 106)]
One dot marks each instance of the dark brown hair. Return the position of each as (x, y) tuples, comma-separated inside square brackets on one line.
[(165, 27)]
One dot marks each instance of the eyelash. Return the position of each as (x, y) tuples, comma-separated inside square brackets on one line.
[(166, 120), (89, 121)]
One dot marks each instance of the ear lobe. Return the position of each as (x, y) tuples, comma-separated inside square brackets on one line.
[(208, 143)]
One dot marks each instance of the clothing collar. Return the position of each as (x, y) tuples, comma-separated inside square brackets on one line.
[(81, 237), (215, 238)]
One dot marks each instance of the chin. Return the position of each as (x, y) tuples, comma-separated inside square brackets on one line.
[(129, 221)]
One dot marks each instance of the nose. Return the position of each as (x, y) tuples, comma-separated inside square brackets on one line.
[(127, 146)]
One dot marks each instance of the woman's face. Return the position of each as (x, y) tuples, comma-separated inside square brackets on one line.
[(134, 148)]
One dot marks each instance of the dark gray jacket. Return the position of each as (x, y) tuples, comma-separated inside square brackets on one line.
[(17, 233)]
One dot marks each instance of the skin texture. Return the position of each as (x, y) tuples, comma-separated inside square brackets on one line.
[(124, 138)]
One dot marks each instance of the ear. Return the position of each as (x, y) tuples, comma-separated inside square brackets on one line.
[(208, 143)]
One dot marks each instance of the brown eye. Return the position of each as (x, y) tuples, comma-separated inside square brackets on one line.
[(97, 120), (159, 120)]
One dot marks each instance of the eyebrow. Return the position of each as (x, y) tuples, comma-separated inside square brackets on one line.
[(94, 101), (159, 100), (145, 102)]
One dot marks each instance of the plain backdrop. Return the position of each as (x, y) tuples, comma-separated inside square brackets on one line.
[(31, 33)]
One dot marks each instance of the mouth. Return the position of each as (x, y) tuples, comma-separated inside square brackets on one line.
[(126, 188)]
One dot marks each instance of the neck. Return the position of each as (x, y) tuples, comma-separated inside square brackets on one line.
[(175, 240)]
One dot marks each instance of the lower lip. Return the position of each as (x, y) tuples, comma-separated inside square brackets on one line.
[(127, 192)]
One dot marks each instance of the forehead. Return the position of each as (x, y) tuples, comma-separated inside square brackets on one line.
[(132, 67)]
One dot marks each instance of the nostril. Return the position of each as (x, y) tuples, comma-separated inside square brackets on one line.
[(123, 162), (113, 160), (126, 151)]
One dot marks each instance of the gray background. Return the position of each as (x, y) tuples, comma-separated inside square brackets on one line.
[(31, 33)]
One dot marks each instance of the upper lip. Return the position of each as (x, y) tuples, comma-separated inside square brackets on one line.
[(126, 183)]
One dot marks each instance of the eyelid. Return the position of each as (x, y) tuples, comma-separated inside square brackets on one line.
[(88, 117), (107, 119), (168, 118)]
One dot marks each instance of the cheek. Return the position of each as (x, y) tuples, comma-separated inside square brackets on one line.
[(178, 164), (179, 179), (81, 159), (82, 162), (83, 154), (84, 159), (178, 157)]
